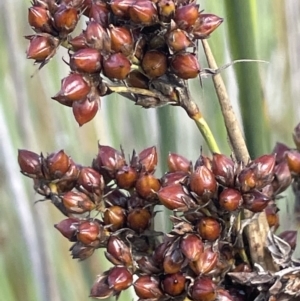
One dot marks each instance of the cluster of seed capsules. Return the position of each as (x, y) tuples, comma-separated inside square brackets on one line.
[(112, 204), (129, 42)]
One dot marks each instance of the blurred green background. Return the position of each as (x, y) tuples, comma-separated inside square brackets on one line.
[(34, 260)]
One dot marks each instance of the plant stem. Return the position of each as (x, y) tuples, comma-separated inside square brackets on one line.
[(206, 133), (257, 231)]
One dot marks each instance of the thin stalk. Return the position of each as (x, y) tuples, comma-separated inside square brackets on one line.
[(257, 231)]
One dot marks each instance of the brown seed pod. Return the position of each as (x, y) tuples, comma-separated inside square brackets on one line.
[(148, 159), (89, 232), (173, 261), (121, 39), (42, 47), (191, 246), (119, 278), (166, 10), (30, 163), (293, 161), (207, 261), (114, 216), (77, 202), (118, 252), (186, 15), (205, 25), (178, 40), (255, 201), (120, 8), (173, 284), (203, 183), (39, 19), (148, 287), (143, 13), (174, 198), (97, 37), (78, 42), (87, 60), (185, 65), (203, 290), (272, 215), (126, 177), (85, 110), (224, 169), (230, 199), (178, 163), (154, 63), (90, 180), (65, 19), (170, 178), (116, 66), (139, 219), (74, 87), (147, 185), (68, 228), (209, 228), (137, 79), (99, 12), (56, 164)]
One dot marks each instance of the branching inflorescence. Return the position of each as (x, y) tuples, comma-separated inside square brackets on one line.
[(146, 51)]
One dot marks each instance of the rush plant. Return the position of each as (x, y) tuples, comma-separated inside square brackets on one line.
[(222, 245)]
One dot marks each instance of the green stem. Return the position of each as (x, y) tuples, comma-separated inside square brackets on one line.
[(206, 133)]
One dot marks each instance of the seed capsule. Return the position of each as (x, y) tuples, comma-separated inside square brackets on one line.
[(120, 8), (166, 10), (203, 182), (174, 198), (203, 290), (137, 79), (73, 88), (207, 261), (148, 287), (90, 180), (119, 278), (223, 169), (154, 63), (80, 251), (88, 232), (209, 228), (293, 161), (97, 37), (68, 228), (78, 42), (121, 40), (84, 110), (41, 47), (101, 289), (109, 160), (139, 219), (185, 65), (186, 16), (29, 163), (99, 12), (116, 66), (178, 40), (39, 19), (114, 216), (77, 202), (147, 186), (272, 215), (143, 12), (148, 159), (191, 246), (173, 284), (205, 25), (56, 164), (126, 177), (118, 252), (230, 199), (65, 19), (178, 163), (290, 236), (171, 178), (255, 201), (282, 177), (87, 60), (173, 261)]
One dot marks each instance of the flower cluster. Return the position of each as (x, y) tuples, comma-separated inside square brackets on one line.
[(112, 204), (127, 42)]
